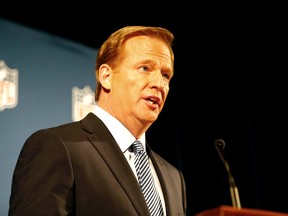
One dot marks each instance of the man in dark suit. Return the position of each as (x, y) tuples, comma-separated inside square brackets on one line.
[(87, 167)]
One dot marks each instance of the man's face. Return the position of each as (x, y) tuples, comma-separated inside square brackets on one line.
[(140, 82)]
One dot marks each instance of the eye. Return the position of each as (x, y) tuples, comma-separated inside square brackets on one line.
[(144, 68), (167, 75)]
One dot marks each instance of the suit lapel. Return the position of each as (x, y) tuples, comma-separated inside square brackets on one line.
[(165, 180), (109, 150)]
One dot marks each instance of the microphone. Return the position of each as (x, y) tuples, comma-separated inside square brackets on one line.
[(220, 145)]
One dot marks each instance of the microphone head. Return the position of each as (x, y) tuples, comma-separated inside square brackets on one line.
[(219, 144)]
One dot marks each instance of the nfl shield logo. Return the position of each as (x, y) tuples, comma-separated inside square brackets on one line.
[(83, 102), (8, 87)]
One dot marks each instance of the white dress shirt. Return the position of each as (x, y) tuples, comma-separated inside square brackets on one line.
[(125, 139)]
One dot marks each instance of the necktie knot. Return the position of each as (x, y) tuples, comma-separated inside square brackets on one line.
[(137, 147)]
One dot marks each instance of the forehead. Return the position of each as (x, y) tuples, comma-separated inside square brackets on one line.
[(146, 46)]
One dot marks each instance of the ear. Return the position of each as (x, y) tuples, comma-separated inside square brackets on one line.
[(105, 75)]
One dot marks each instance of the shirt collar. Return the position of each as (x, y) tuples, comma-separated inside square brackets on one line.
[(121, 134)]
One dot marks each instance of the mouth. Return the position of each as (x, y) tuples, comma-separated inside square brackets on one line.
[(153, 100)]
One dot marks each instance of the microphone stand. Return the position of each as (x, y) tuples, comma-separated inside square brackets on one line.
[(220, 145)]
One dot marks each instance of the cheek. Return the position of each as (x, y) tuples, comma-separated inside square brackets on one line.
[(166, 90), (125, 90)]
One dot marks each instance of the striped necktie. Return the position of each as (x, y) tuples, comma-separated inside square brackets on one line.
[(146, 180)]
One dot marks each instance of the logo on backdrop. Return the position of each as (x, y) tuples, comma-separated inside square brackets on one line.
[(8, 87), (83, 102)]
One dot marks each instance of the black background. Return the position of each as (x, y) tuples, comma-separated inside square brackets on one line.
[(226, 85)]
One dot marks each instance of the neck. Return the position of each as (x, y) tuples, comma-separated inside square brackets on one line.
[(136, 127)]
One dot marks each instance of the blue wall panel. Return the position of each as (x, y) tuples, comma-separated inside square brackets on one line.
[(48, 68)]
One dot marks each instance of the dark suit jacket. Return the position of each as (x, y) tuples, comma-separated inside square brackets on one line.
[(78, 169)]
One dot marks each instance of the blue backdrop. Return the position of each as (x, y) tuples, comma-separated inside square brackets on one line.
[(48, 68)]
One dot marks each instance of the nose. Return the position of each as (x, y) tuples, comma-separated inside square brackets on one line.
[(158, 80)]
